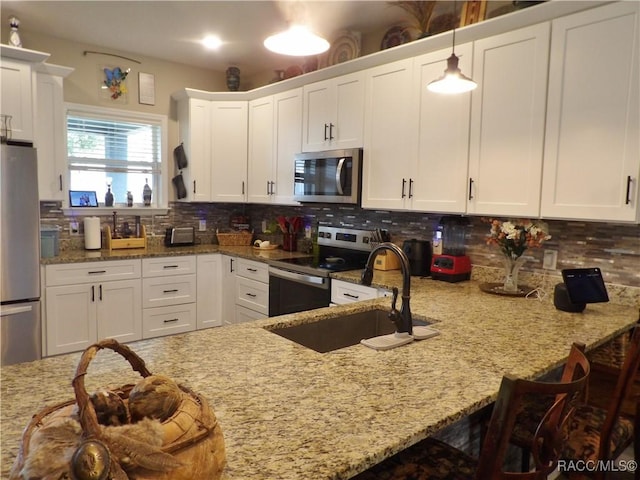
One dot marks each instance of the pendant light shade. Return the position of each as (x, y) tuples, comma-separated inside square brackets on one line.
[(298, 41), (453, 81)]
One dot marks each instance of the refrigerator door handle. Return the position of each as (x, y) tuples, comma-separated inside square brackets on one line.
[(6, 311)]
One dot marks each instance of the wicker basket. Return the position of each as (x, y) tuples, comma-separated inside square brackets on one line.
[(243, 238), (192, 435)]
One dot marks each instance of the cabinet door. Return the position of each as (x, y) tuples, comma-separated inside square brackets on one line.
[(119, 310), (50, 136), (169, 320), (288, 142), (15, 84), (229, 129), (195, 132), (70, 318), (210, 291), (172, 290), (389, 135), (260, 172), (318, 109), (592, 151), (439, 177), (507, 122), (228, 284), (348, 118)]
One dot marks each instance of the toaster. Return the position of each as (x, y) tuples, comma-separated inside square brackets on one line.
[(180, 236)]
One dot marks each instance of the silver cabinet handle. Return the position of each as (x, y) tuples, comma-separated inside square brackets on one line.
[(627, 200), (351, 296), (96, 272), (410, 187), (173, 290), (404, 182), (231, 265), (331, 125), (325, 131), (170, 320), (93, 293), (100, 293), (252, 295), (169, 266), (470, 188)]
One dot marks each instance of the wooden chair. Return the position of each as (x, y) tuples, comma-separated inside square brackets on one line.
[(596, 433), (435, 460)]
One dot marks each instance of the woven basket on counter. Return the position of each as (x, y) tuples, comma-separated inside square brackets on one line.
[(238, 239), (68, 440)]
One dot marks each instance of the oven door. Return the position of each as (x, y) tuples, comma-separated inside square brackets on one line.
[(291, 292)]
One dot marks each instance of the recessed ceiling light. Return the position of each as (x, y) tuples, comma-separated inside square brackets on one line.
[(212, 42)]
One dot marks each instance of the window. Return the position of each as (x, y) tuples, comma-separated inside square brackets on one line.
[(120, 150)]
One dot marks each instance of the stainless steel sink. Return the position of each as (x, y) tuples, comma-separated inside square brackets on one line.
[(341, 331)]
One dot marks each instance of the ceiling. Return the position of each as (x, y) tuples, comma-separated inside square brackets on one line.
[(171, 30)]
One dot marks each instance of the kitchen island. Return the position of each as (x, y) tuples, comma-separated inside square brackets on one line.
[(288, 412)]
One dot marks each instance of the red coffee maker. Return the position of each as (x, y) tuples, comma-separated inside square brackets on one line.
[(449, 262)]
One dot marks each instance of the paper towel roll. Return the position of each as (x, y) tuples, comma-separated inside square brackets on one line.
[(92, 239)]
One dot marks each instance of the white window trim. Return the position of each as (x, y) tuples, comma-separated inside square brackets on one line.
[(130, 115)]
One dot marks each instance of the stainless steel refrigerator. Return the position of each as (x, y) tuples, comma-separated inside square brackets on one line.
[(20, 324)]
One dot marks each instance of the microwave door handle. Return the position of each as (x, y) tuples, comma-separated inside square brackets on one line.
[(339, 176)]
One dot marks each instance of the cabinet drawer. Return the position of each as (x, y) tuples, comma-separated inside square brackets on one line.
[(163, 291), (252, 294), (168, 320), (345, 292), (247, 315), (255, 270), (71, 273), (163, 266)]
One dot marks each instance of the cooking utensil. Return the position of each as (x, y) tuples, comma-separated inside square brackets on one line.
[(282, 223)]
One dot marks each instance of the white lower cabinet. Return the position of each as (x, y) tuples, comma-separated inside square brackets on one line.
[(252, 290), (346, 292), (228, 288), (91, 301), (168, 295), (210, 291)]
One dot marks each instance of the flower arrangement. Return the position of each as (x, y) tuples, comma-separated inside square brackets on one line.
[(514, 237)]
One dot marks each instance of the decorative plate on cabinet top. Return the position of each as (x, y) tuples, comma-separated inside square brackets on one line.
[(293, 71), (345, 47), (395, 36)]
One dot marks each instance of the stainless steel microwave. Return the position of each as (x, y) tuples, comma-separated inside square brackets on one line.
[(333, 176)]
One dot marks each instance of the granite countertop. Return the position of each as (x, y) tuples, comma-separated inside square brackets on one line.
[(76, 256), (290, 413)]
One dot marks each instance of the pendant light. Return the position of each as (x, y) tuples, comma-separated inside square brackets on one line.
[(298, 41), (453, 81)]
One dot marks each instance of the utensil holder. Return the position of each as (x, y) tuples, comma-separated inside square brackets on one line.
[(289, 241)]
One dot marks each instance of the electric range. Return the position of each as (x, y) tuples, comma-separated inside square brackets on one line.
[(299, 284), (339, 250)]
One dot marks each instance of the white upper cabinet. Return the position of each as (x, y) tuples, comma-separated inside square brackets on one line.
[(275, 136), (389, 136), (215, 140), (16, 88), (50, 133), (229, 130), (15, 81), (261, 150), (592, 151), (439, 176), (333, 113), (288, 142), (194, 117), (507, 122)]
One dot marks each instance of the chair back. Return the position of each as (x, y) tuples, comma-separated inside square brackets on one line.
[(550, 433), (623, 388)]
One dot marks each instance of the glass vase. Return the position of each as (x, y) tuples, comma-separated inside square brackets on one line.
[(511, 269)]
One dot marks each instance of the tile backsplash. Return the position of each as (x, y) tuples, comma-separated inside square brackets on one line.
[(614, 248)]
